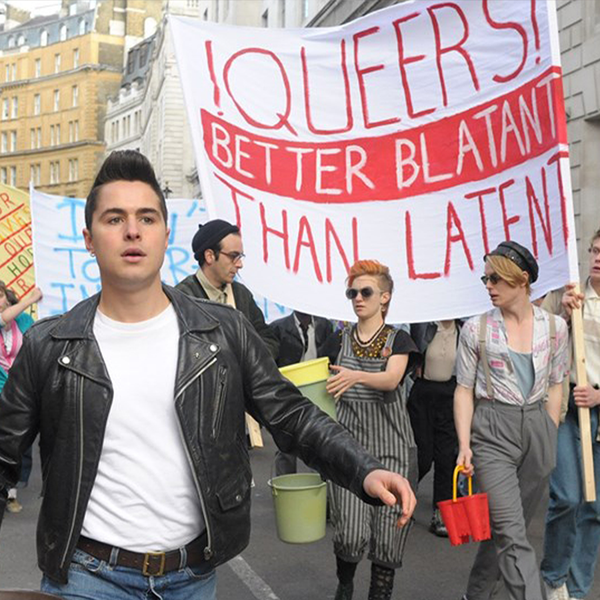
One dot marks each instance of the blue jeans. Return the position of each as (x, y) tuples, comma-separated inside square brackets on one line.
[(572, 525), (93, 579)]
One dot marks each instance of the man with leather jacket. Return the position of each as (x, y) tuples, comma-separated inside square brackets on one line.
[(138, 395)]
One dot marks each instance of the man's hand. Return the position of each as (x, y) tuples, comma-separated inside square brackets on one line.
[(586, 396), (570, 300), (391, 488), (342, 381)]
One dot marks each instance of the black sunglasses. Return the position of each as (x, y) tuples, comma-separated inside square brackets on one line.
[(366, 292), (494, 279)]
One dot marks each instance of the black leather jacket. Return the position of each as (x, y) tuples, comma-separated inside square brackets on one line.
[(59, 386)]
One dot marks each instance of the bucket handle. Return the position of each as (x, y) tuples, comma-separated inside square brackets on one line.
[(457, 470)]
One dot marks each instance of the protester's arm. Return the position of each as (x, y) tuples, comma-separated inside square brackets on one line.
[(463, 417), (13, 311), (18, 419), (555, 394), (467, 359), (385, 381), (298, 425)]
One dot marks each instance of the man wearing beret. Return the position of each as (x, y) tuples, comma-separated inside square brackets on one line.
[(218, 249)]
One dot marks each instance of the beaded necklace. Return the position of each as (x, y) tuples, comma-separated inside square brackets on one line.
[(375, 345)]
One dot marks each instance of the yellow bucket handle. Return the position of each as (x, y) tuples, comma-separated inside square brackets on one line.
[(457, 470)]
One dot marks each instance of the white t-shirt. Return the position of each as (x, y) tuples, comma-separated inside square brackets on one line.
[(144, 497)]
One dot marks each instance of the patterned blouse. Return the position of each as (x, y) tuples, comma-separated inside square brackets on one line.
[(469, 371)]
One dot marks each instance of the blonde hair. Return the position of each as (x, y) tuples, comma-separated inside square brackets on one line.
[(375, 269), (509, 271)]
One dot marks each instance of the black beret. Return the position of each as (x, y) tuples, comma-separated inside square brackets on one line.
[(519, 255), (210, 234)]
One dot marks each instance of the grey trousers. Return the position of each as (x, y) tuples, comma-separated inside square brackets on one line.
[(514, 452)]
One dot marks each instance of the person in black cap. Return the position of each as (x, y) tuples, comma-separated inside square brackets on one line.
[(218, 248), (513, 360)]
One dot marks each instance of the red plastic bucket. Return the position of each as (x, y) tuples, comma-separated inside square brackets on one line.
[(466, 518)]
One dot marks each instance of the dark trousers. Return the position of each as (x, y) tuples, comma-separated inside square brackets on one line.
[(431, 410)]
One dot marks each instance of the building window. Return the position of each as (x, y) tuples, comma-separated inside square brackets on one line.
[(21, 40), (76, 131), (38, 67), (63, 32), (37, 104), (5, 108), (4, 142), (73, 169), (56, 100), (13, 141), (15, 107), (75, 95), (55, 172), (82, 27), (75, 58), (130, 63), (14, 72), (3, 175), (35, 173), (58, 135), (70, 131), (52, 135), (143, 55), (7, 73), (305, 8), (57, 63), (13, 176), (11, 42), (39, 137), (32, 140), (44, 38)]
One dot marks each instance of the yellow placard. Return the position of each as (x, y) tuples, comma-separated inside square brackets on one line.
[(16, 251)]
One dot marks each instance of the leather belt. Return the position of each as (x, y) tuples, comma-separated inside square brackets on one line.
[(151, 564)]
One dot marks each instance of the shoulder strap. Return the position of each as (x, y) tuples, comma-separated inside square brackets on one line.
[(483, 355), (552, 340)]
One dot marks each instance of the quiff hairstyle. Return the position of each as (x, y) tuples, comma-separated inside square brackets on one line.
[(509, 271), (123, 165), (375, 269)]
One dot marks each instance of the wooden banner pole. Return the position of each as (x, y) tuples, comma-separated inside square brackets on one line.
[(585, 426)]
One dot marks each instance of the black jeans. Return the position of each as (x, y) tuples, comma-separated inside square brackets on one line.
[(431, 410)]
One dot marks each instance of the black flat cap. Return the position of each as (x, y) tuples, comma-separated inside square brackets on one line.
[(519, 255), (209, 234)]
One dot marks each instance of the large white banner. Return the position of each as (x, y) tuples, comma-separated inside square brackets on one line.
[(66, 272), (421, 135)]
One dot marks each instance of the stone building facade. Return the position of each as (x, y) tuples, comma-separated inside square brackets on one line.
[(579, 26), (55, 75)]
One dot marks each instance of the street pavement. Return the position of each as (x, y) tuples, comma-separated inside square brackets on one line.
[(272, 570)]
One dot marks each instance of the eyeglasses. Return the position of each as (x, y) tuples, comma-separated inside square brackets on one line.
[(594, 250), (234, 257), (494, 279), (366, 292)]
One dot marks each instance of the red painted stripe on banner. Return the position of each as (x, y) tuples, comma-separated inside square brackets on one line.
[(469, 146)]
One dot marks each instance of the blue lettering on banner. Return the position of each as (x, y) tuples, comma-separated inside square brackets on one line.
[(73, 204)]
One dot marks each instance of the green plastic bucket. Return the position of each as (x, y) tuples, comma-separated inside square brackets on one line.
[(300, 501), (310, 377)]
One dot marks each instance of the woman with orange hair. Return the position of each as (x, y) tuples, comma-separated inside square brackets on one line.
[(371, 359)]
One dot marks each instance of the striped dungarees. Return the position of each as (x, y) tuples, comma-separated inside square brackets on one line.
[(380, 422)]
